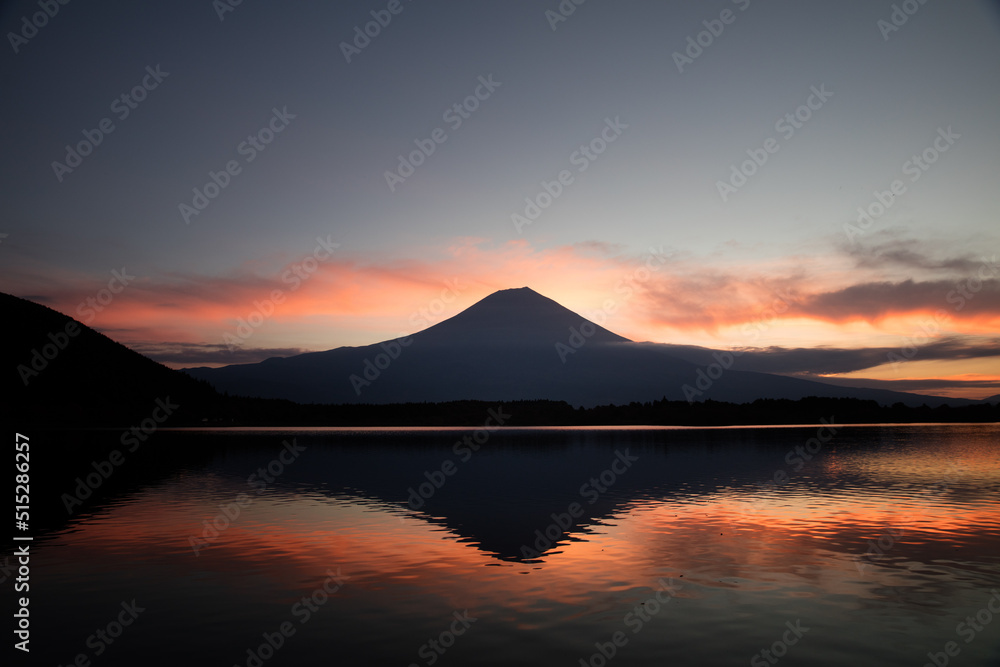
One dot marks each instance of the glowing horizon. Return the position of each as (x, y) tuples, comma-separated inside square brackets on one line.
[(565, 160), (310, 304)]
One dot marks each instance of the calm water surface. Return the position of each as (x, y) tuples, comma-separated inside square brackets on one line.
[(688, 547)]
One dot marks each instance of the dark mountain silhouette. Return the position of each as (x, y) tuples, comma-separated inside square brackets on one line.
[(517, 344), (62, 372), (518, 317)]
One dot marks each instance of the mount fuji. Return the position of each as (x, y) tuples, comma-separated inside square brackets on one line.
[(517, 344)]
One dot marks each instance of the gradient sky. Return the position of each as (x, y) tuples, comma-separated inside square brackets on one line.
[(772, 265)]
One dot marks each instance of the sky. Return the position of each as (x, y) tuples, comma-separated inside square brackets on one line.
[(211, 183)]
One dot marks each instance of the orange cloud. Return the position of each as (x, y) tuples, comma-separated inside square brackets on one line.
[(322, 300)]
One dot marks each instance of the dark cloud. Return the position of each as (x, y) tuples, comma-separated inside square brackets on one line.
[(874, 300), (928, 386), (955, 286), (909, 258), (889, 249), (829, 360), (198, 354)]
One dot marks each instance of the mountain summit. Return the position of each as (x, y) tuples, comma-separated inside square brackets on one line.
[(519, 317)]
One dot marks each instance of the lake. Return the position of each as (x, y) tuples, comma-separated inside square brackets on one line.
[(806, 545)]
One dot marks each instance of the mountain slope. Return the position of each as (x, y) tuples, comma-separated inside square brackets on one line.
[(516, 344), (62, 372)]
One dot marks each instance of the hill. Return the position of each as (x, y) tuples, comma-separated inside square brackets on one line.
[(61, 372)]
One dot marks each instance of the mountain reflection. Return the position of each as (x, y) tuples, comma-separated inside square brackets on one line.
[(512, 499), (694, 506)]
